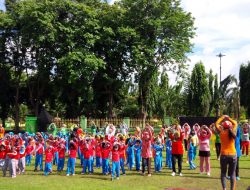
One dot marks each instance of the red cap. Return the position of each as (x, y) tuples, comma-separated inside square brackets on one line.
[(226, 124)]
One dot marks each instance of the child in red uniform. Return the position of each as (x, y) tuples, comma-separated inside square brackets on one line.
[(48, 160), (105, 149), (115, 162), (29, 150), (21, 162), (13, 161), (2, 156), (72, 158), (61, 155)]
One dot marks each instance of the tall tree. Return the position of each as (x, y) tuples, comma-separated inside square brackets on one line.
[(244, 78), (163, 33), (199, 97)]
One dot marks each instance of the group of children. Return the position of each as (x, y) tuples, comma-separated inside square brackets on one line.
[(111, 152)]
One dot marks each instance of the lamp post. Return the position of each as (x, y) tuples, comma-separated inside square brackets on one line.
[(220, 55)]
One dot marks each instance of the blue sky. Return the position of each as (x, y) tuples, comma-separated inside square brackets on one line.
[(222, 26)]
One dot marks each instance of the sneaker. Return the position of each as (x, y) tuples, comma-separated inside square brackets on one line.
[(208, 174), (237, 178), (124, 174), (73, 174), (67, 174), (149, 175), (82, 173), (117, 178), (180, 174), (112, 179), (173, 174), (228, 177), (142, 174), (13, 176)]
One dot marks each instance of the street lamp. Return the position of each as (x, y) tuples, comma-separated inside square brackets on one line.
[(220, 55)]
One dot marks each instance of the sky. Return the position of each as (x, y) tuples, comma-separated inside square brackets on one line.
[(222, 26)]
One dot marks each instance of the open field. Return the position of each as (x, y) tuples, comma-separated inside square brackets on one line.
[(132, 181)]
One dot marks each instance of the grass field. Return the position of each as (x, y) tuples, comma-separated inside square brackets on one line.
[(133, 181)]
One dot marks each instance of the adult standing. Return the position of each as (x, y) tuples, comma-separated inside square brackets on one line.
[(2, 131), (226, 128)]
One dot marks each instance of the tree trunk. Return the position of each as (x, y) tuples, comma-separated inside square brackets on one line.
[(17, 110), (110, 107)]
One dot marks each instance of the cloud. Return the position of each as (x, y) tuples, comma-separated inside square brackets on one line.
[(222, 26)]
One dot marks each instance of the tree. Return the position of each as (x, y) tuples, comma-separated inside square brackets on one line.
[(163, 32), (244, 78), (211, 90), (199, 97)]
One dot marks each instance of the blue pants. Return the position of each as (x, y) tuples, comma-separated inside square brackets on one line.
[(195, 148), (55, 160), (122, 165), (71, 165), (28, 159), (48, 168), (130, 161), (115, 169), (98, 162), (86, 164), (92, 164), (157, 161), (39, 161), (81, 159), (190, 160), (105, 166), (138, 162), (60, 164), (169, 159)]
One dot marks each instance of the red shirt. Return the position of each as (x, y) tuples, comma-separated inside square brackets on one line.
[(122, 150), (3, 154), (115, 156), (105, 153), (29, 149), (48, 156), (39, 149), (177, 147), (98, 152), (73, 151), (12, 155), (61, 152)]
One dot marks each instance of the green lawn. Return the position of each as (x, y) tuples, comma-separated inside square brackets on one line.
[(191, 179)]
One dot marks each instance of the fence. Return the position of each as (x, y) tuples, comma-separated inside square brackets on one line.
[(102, 122)]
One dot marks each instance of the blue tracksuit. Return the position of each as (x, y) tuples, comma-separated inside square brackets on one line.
[(169, 153), (158, 157), (191, 156), (137, 157), (131, 156), (71, 165), (48, 168), (39, 161), (115, 169)]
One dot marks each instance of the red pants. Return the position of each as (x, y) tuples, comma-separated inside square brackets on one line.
[(245, 145)]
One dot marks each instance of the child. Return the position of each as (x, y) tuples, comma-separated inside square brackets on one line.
[(21, 162), (191, 154), (169, 153), (204, 135), (86, 150), (146, 137), (115, 162), (29, 150), (39, 155), (61, 156), (245, 138), (98, 153), (72, 158), (2, 156), (48, 160), (122, 149), (138, 154), (13, 161), (177, 149), (158, 147), (130, 154), (105, 149)]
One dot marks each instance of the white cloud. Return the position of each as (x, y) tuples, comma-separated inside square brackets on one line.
[(222, 26)]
